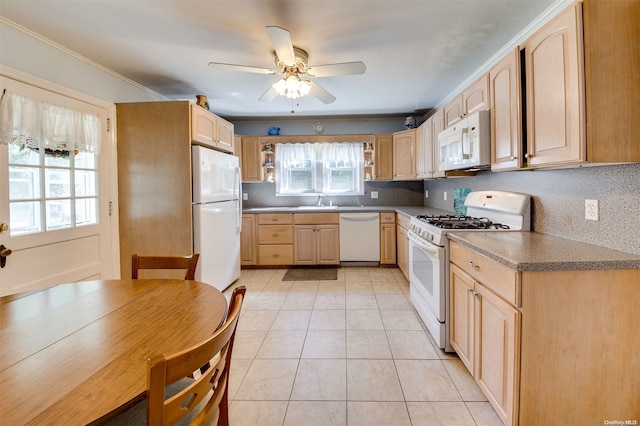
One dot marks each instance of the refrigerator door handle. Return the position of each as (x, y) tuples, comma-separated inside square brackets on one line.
[(239, 187)]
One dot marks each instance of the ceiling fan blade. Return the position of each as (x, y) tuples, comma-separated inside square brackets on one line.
[(320, 93), (269, 95), (243, 68), (281, 40), (329, 70)]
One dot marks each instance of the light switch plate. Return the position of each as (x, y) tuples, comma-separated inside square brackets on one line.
[(426, 194), (245, 196), (374, 194), (445, 195)]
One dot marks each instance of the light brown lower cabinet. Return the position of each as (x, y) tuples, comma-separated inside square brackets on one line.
[(484, 333), (387, 238), (316, 245), (402, 245), (248, 246), (548, 347), (316, 239)]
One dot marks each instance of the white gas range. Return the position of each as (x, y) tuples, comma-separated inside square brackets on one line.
[(429, 250)]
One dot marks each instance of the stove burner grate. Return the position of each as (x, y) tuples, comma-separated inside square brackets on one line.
[(461, 222)]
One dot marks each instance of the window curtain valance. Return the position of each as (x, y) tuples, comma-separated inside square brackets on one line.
[(38, 125)]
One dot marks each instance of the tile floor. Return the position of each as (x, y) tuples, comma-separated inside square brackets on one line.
[(345, 352)]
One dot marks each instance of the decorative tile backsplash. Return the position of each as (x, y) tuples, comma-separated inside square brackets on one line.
[(559, 201), (400, 193)]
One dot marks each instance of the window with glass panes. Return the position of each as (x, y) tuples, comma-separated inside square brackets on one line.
[(327, 168), (51, 190)]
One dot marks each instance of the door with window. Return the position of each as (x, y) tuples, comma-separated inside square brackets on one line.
[(54, 194)]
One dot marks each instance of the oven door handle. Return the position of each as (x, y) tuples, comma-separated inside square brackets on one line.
[(431, 248)]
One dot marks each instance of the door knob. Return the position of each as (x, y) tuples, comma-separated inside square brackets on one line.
[(4, 227), (4, 252)]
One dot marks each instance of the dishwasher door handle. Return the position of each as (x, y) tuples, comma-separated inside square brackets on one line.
[(359, 218)]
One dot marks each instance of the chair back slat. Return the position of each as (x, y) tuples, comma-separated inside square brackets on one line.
[(212, 358), (188, 263)]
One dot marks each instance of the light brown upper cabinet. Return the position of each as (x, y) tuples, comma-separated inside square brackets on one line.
[(404, 154), (424, 150), (611, 57), (420, 151), (474, 98), (251, 170), (384, 156), (582, 97), (506, 125), (437, 125), (211, 130), (224, 134), (554, 80)]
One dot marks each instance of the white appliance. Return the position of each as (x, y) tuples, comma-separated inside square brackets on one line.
[(360, 237), (466, 144), (217, 216), (429, 251)]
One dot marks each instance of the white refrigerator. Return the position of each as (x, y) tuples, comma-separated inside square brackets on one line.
[(217, 216)]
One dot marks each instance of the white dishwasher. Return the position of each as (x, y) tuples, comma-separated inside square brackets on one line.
[(360, 237)]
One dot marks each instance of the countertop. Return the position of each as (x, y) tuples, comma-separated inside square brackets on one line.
[(403, 210), (532, 251), (522, 251)]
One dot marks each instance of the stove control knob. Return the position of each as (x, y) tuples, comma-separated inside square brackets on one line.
[(430, 237)]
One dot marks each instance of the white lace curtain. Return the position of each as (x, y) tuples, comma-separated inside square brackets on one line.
[(39, 125), (311, 168), (295, 166)]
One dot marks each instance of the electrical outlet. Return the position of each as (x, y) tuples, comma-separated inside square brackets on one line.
[(591, 210), (245, 196), (374, 194), (426, 194), (445, 195)]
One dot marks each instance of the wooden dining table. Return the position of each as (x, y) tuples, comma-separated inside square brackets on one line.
[(77, 353)]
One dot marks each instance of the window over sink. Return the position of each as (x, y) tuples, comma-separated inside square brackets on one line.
[(326, 168)]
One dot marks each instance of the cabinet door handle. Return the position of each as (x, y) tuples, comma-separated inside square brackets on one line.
[(275, 235), (274, 219), (474, 266), (275, 256), (514, 158)]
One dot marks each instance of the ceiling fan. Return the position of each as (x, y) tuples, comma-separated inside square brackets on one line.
[(292, 63)]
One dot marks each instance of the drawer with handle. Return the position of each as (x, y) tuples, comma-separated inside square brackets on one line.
[(387, 217), (503, 281), (275, 254), (275, 234), (275, 218)]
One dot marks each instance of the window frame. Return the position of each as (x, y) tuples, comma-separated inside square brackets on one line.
[(321, 168)]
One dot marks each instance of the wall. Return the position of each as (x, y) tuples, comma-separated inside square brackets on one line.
[(337, 125), (28, 52), (404, 193), (558, 201)]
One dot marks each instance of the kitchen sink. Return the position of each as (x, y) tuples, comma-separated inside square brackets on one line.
[(316, 207)]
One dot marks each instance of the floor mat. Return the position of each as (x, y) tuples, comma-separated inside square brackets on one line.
[(311, 274)]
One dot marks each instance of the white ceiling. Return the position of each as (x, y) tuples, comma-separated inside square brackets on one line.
[(416, 51)]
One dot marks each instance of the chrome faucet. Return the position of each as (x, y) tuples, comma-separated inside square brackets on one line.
[(320, 197)]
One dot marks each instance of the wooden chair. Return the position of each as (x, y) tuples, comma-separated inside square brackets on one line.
[(189, 263), (208, 392)]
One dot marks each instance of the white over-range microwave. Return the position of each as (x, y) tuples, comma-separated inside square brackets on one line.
[(466, 144)]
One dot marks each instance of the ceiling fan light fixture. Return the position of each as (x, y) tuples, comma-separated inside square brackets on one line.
[(292, 86)]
